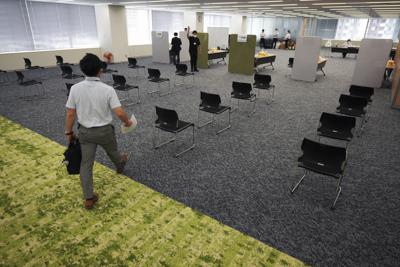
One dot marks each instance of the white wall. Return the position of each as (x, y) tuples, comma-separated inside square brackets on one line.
[(15, 61), (189, 19), (139, 50), (236, 24)]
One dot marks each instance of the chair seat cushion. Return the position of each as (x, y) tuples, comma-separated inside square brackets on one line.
[(321, 167), (127, 87), (335, 134), (184, 73), (214, 110), (262, 86), (242, 96), (174, 128), (158, 80), (135, 66), (31, 82), (350, 111)]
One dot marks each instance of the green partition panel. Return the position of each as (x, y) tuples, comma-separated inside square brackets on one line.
[(202, 60), (241, 55)]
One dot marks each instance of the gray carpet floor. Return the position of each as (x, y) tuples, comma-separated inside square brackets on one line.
[(243, 177)]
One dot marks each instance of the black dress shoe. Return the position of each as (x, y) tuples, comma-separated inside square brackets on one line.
[(196, 70)]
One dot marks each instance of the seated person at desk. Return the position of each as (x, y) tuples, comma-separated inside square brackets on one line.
[(346, 44), (176, 49)]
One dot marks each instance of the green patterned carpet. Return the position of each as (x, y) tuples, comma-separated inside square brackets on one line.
[(43, 222)]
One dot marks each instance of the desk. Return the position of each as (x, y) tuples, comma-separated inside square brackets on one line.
[(217, 54), (345, 50), (261, 60)]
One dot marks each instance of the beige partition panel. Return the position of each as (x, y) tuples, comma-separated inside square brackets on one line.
[(306, 58), (371, 62), (185, 47), (160, 47), (396, 80)]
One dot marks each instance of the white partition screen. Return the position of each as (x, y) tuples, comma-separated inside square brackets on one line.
[(371, 62), (160, 46), (306, 58), (184, 56), (218, 36)]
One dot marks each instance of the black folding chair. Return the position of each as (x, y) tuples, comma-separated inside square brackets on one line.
[(211, 103), (263, 82), (60, 61), (132, 64), (336, 127), (155, 77), (68, 85), (28, 65), (291, 62), (28, 83), (121, 85), (362, 91), (242, 91), (353, 106), (323, 159), (168, 120), (67, 73), (181, 70), (105, 68)]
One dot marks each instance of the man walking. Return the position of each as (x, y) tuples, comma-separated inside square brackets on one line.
[(93, 102), (262, 39), (176, 48), (275, 37)]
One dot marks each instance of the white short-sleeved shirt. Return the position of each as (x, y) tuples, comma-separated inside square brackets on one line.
[(93, 101), (262, 35), (288, 36)]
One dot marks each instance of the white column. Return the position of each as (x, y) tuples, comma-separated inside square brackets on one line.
[(112, 30)]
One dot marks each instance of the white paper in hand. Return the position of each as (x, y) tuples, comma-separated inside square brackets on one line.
[(129, 129)]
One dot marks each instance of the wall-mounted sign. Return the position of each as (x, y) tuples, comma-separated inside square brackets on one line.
[(242, 38), (159, 34)]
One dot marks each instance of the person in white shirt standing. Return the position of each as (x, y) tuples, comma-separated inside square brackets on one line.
[(93, 103), (262, 39), (287, 39), (275, 37)]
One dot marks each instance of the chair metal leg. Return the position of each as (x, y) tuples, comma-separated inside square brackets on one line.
[(189, 148), (154, 91), (254, 107), (338, 191), (229, 124), (272, 65), (199, 125), (163, 143), (233, 109), (361, 130), (298, 183)]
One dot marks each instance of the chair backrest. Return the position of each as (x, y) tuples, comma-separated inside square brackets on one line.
[(262, 79), (68, 85), (335, 121), (242, 88), (104, 66), (167, 116), (181, 68), (132, 61), (291, 61), (65, 69), (28, 62), (353, 102), (317, 152), (60, 60), (20, 76), (211, 100), (154, 73), (362, 91), (119, 79)]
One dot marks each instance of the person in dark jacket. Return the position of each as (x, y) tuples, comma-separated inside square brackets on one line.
[(194, 43), (176, 49)]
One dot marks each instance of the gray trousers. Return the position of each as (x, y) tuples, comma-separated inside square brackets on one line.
[(89, 138)]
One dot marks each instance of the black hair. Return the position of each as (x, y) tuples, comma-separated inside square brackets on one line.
[(194, 32), (348, 40), (175, 34), (262, 29), (288, 31), (90, 65)]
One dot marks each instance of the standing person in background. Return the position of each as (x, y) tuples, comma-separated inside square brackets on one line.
[(287, 39), (346, 44), (194, 43), (93, 103), (176, 48), (275, 37), (262, 39)]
